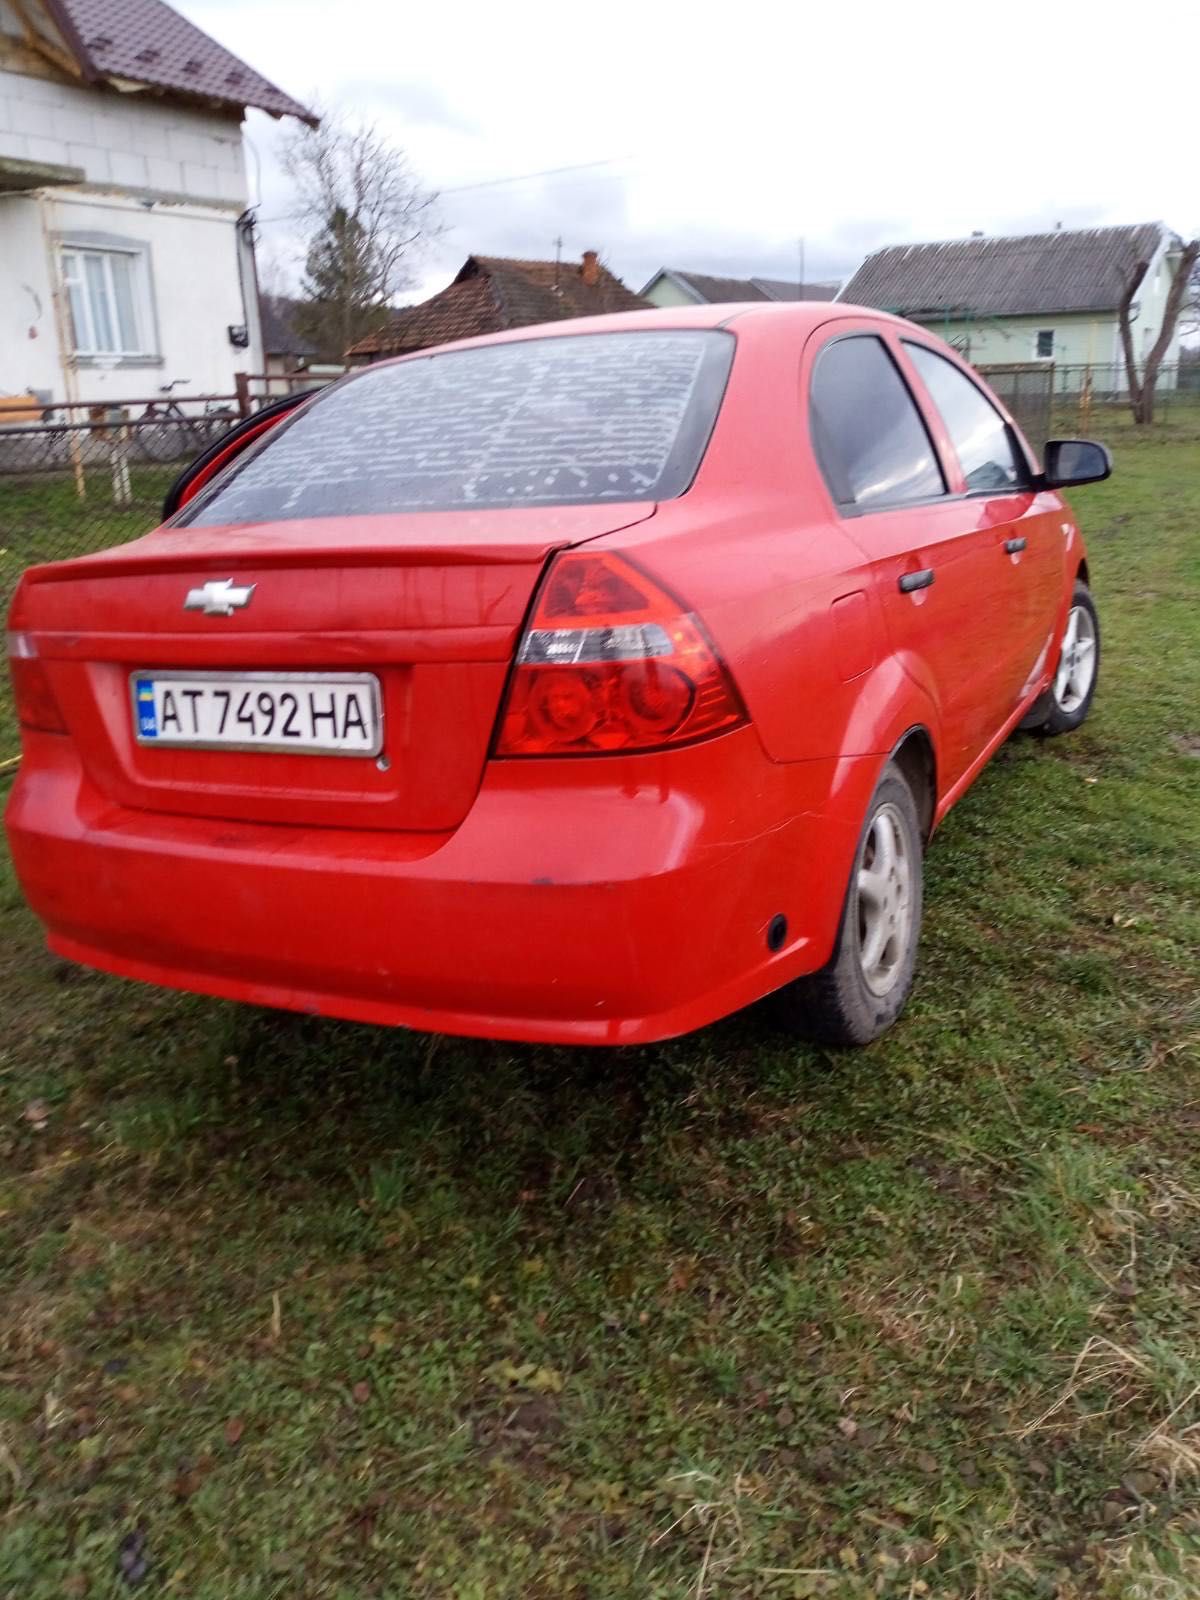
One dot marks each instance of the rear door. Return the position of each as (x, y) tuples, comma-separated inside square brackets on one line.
[(1023, 579), (889, 473)]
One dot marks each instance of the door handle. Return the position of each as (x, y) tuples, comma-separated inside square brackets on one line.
[(1013, 546), (916, 580)]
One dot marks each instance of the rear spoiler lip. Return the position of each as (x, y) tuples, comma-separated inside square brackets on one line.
[(171, 549)]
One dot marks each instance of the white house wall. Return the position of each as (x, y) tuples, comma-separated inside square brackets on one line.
[(195, 295)]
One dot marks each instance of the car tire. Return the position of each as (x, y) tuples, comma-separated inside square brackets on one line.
[(1067, 701), (863, 987)]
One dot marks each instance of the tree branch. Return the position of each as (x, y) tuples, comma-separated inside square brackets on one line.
[(1179, 287), (1123, 318)]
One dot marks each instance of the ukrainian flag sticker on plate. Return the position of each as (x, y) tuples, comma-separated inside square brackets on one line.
[(144, 695)]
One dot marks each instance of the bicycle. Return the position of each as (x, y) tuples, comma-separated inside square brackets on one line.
[(165, 431)]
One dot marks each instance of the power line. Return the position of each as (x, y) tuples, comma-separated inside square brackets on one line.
[(486, 183), (525, 177)]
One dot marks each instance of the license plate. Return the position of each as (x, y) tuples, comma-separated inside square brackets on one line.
[(331, 713)]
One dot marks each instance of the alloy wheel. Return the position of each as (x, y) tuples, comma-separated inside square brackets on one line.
[(1077, 664), (884, 896)]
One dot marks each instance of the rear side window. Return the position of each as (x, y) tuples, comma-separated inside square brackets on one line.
[(981, 437), (562, 421), (871, 441)]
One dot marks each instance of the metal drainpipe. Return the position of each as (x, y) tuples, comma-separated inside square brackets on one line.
[(251, 294)]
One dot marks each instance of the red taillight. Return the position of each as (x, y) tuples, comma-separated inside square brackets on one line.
[(610, 662), (36, 706)]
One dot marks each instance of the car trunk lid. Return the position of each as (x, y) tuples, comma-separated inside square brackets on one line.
[(430, 604)]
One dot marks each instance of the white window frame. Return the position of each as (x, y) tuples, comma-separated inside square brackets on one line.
[(1037, 355), (85, 346)]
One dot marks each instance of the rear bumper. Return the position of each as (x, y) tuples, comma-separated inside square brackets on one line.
[(611, 901)]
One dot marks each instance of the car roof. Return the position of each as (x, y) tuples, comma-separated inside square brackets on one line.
[(799, 316)]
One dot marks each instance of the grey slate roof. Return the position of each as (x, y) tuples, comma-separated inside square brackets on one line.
[(1033, 274), (782, 289), (279, 336), (147, 42), (718, 291)]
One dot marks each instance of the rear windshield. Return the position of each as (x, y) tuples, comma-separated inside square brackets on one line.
[(571, 420)]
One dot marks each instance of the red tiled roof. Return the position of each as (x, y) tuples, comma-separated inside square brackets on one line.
[(460, 311), (146, 42), (492, 293)]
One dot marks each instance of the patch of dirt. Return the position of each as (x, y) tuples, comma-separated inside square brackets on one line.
[(1188, 744), (522, 1431)]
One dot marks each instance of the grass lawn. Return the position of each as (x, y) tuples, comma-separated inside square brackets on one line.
[(43, 519), (301, 1309)]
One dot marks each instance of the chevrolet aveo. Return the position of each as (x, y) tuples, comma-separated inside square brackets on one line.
[(579, 684)]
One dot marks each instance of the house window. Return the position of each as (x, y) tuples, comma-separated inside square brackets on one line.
[(107, 299), (1045, 344)]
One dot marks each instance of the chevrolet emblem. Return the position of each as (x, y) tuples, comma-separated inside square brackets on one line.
[(219, 599)]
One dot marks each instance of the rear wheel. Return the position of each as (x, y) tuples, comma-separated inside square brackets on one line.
[(160, 441), (861, 991), (1068, 700)]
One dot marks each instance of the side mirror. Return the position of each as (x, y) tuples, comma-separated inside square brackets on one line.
[(1071, 461)]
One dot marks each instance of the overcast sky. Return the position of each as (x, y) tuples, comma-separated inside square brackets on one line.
[(727, 141)]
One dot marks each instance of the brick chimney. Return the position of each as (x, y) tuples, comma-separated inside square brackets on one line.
[(590, 272)]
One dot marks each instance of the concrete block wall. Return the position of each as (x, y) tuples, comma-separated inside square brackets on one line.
[(129, 141)]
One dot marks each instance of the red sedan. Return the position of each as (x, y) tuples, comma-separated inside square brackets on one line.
[(578, 684)]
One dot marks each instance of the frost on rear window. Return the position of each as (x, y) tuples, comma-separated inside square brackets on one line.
[(552, 421)]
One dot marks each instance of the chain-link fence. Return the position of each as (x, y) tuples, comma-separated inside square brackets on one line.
[(1095, 398), (1052, 400), (77, 478), (1027, 389)]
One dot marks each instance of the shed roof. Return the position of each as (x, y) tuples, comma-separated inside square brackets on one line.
[(1036, 273)]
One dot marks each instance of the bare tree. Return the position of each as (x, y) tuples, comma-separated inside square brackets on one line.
[(273, 278), (367, 217), (1183, 286)]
